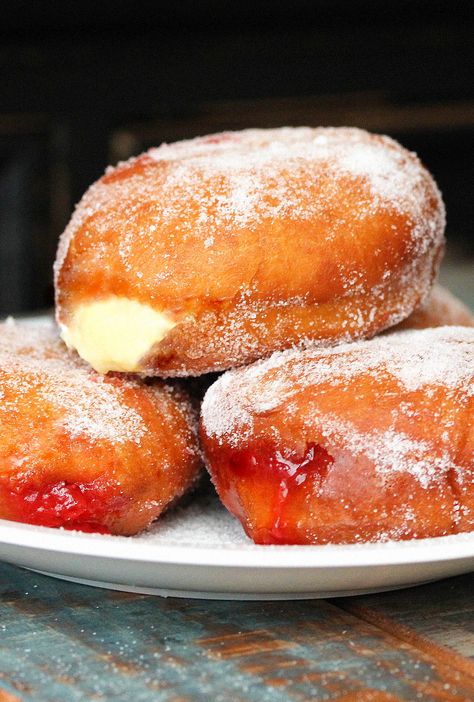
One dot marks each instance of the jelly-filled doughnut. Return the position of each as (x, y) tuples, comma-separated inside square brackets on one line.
[(83, 451), (207, 254), (442, 308), (367, 441)]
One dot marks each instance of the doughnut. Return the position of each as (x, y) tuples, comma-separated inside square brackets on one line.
[(211, 253), (441, 309), (368, 441), (83, 451)]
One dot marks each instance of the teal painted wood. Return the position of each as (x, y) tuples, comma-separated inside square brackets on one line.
[(442, 613), (62, 642)]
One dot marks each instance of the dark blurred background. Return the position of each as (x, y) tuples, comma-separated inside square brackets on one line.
[(87, 83)]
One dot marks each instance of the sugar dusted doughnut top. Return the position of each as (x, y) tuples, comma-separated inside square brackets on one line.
[(90, 406), (416, 361), (224, 248), (267, 174)]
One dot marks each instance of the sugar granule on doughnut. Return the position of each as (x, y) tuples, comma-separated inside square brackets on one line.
[(367, 441), (442, 308), (83, 451), (211, 253)]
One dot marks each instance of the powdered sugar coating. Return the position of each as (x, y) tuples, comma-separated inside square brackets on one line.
[(234, 235), (263, 172), (391, 451), (443, 356), (90, 405), (258, 165)]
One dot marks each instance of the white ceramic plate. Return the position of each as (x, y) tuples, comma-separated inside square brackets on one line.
[(199, 550)]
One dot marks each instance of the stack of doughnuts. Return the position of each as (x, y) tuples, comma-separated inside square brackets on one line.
[(299, 262)]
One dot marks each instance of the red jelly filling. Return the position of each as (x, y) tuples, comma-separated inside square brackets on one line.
[(269, 461), (81, 506), (272, 489)]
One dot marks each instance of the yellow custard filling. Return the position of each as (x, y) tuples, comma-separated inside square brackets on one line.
[(116, 333)]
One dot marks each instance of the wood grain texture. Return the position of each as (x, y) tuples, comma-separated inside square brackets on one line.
[(60, 641), (437, 618)]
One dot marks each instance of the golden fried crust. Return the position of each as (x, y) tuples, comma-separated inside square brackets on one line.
[(83, 451), (364, 442), (441, 309), (256, 241)]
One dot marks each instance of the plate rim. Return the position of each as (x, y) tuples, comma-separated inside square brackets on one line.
[(308, 557)]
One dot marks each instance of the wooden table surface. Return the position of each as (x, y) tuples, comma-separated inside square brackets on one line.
[(61, 642)]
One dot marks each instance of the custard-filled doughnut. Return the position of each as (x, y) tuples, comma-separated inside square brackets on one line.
[(442, 308), (83, 451), (362, 442), (211, 253)]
